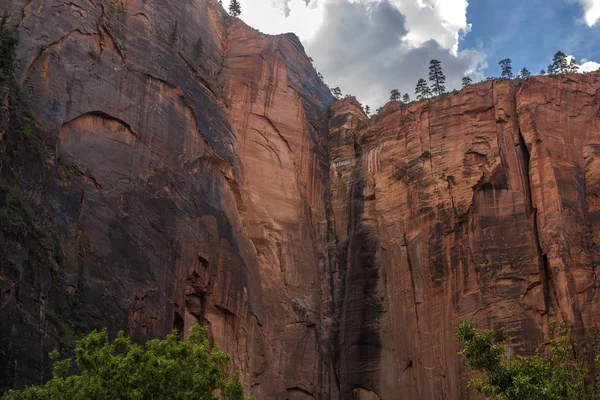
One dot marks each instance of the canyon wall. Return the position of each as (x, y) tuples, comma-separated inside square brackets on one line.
[(190, 157), (194, 170), (479, 206)]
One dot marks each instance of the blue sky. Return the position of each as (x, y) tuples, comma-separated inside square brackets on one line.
[(529, 32)]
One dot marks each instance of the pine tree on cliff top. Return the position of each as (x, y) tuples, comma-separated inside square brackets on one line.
[(506, 66), (422, 90), (437, 77), (525, 74), (559, 64), (235, 10)]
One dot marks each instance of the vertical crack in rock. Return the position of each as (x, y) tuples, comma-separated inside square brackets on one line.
[(542, 258), (413, 287)]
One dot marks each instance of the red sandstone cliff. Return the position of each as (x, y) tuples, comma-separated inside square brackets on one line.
[(196, 159), (193, 171), (478, 206)]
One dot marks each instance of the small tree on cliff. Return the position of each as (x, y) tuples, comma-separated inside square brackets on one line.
[(437, 77), (161, 369), (367, 110), (525, 74), (559, 374), (572, 68), (395, 95), (422, 90), (466, 81), (235, 9), (336, 92), (506, 66), (406, 98), (559, 64)]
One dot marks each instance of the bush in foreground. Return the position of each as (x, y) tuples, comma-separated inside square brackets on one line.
[(159, 369), (558, 374)]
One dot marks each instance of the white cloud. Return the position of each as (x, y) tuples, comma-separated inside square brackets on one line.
[(589, 66), (439, 20), (585, 65), (303, 17), (591, 10), (368, 47)]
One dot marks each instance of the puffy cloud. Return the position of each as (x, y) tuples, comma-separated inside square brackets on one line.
[(367, 47), (585, 65), (439, 20), (589, 66), (591, 10), (303, 17)]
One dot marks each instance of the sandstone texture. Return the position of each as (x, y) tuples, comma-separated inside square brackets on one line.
[(194, 170), (192, 160), (479, 206)]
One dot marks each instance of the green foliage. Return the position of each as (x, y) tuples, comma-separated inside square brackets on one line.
[(524, 74), (395, 95), (466, 80), (437, 77), (337, 92), (559, 64), (406, 98), (9, 38), (506, 66), (572, 68), (16, 214), (160, 369), (422, 90), (559, 374), (367, 110), (235, 9), (66, 335)]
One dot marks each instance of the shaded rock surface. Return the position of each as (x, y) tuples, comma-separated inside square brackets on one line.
[(191, 169), (192, 160)]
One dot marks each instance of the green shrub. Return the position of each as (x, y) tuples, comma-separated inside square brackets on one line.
[(558, 374), (159, 369), (9, 38)]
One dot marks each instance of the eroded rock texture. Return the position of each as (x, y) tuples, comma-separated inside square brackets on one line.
[(477, 206), (196, 170), (194, 159)]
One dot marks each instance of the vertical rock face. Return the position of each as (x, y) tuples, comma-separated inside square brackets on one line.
[(196, 159), (198, 171), (477, 206)]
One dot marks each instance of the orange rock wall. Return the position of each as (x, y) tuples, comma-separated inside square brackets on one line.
[(207, 176), (477, 206)]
